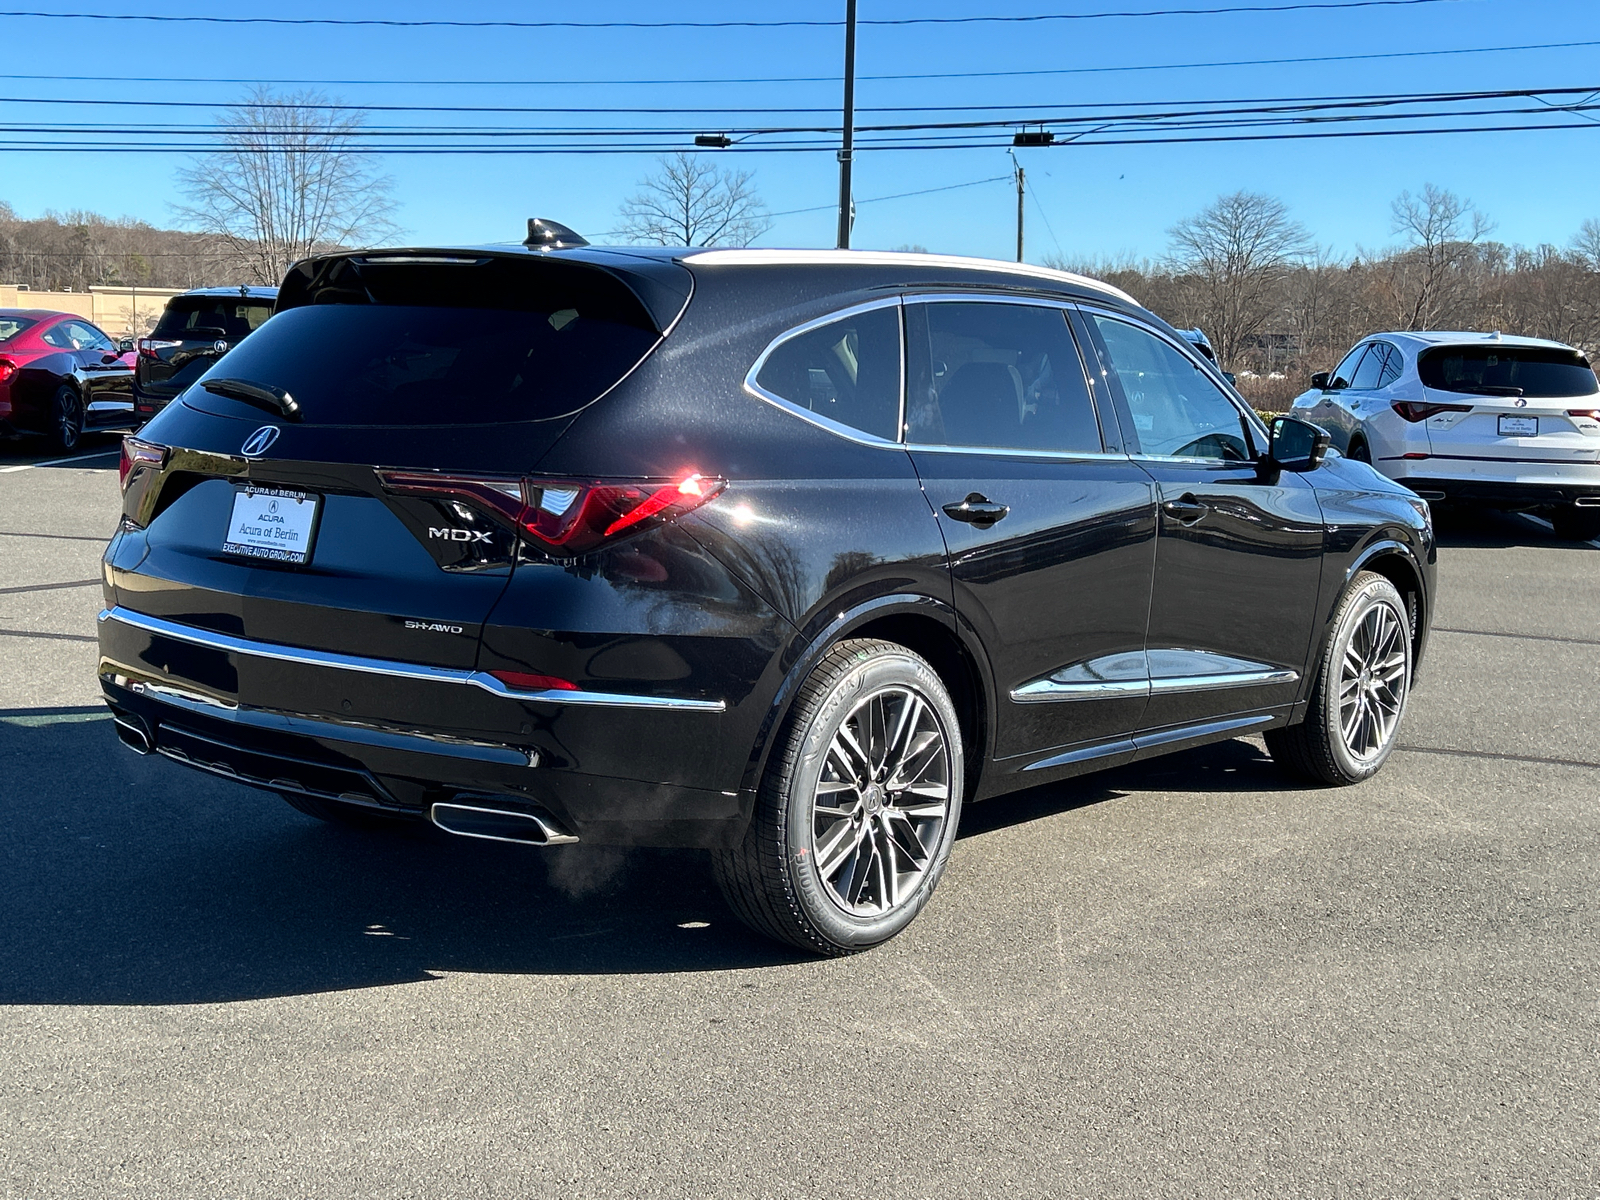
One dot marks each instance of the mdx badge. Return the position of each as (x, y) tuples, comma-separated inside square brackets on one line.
[(459, 535), (258, 441)]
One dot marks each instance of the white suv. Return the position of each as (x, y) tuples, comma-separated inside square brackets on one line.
[(1509, 422)]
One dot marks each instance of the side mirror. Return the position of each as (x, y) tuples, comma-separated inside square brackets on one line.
[(1298, 445), (125, 346), (1320, 380)]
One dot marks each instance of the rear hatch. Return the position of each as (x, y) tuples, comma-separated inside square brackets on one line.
[(195, 331), (268, 519), (1514, 404)]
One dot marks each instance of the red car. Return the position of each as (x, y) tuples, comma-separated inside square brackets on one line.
[(60, 375)]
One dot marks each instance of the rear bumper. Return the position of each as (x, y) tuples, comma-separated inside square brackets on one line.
[(608, 768), (1503, 493)]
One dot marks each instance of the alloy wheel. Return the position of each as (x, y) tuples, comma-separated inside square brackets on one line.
[(881, 803), (1372, 682)]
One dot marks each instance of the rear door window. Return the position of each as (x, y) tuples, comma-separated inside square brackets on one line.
[(1371, 368), (847, 370), (1534, 371), (1006, 376)]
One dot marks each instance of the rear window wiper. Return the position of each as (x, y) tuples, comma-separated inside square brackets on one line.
[(262, 395)]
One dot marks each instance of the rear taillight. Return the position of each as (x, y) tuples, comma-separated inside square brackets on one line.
[(1415, 411), (1592, 414), (7, 370), (150, 347), (136, 453), (563, 517)]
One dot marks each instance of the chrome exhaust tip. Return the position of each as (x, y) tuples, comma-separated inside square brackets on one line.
[(479, 820), (133, 733)]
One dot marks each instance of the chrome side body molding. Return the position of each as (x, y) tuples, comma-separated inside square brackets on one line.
[(1150, 673)]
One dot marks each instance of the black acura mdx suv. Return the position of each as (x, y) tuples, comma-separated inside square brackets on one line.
[(786, 555)]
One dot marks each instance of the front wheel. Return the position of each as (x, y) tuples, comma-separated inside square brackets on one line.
[(859, 806), (1363, 681), (66, 420)]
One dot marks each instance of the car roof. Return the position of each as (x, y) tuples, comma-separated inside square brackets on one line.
[(38, 314), (1423, 339), (249, 293), (954, 268)]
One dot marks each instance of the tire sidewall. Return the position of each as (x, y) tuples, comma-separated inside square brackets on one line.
[(871, 670), (66, 403), (1359, 603)]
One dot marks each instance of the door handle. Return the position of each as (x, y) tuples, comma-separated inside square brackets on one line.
[(1186, 510), (977, 509)]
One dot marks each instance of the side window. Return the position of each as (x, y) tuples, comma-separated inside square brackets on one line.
[(847, 370), (1392, 366), (1006, 376), (1176, 410), (1347, 369), (1371, 367)]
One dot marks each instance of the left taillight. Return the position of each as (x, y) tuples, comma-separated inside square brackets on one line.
[(1416, 411), (138, 453), (7, 370), (562, 517)]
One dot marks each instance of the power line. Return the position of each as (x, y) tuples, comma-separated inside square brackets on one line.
[(949, 187), (773, 79), (1038, 18)]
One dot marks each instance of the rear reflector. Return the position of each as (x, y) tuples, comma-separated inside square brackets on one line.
[(136, 453), (523, 681), (1415, 411), (565, 518)]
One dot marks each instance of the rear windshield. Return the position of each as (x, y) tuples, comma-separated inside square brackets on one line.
[(435, 352), (227, 317), (11, 326), (1507, 371)]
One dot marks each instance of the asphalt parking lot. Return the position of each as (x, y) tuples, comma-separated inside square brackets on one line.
[(1187, 978)]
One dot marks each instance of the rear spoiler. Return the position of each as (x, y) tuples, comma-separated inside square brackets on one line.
[(500, 276)]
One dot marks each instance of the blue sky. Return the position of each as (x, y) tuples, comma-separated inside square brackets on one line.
[(1087, 203)]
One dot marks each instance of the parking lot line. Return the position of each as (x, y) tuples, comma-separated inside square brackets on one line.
[(55, 537), (1528, 637), (54, 637), (58, 462), (47, 587)]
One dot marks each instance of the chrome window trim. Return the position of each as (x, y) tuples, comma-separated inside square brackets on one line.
[(393, 669), (1051, 455), (850, 432), (1207, 369)]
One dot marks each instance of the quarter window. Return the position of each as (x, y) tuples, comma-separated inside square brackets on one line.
[(1177, 411), (847, 370), (1006, 376), (1392, 366)]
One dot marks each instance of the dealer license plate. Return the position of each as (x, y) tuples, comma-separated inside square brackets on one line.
[(272, 523), (1519, 426)]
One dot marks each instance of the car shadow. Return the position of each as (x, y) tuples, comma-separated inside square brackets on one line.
[(98, 449), (133, 881), (1491, 529)]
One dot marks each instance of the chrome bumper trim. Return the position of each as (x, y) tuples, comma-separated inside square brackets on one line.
[(392, 669)]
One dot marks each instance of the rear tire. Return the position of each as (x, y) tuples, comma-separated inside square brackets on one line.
[(858, 807), (1359, 698), (1576, 524), (351, 816), (1359, 452), (66, 420)]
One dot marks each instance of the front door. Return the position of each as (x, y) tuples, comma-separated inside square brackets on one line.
[(1239, 552), (1050, 527)]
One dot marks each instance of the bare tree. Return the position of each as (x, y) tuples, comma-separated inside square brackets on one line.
[(285, 182), (1587, 243), (1234, 257), (689, 202), (1442, 231)]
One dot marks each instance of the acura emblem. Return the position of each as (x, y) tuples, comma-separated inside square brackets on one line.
[(220, 347), (258, 441), (1520, 402)]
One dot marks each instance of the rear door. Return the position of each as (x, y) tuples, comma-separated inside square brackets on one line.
[(1050, 527), (281, 530), (1239, 553)]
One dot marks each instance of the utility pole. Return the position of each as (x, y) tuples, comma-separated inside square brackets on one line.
[(847, 149), (1019, 211)]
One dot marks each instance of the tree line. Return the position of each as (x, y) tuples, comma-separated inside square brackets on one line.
[(1277, 306)]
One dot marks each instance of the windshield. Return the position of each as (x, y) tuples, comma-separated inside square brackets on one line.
[(374, 364), (1535, 371), (11, 326), (230, 317)]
